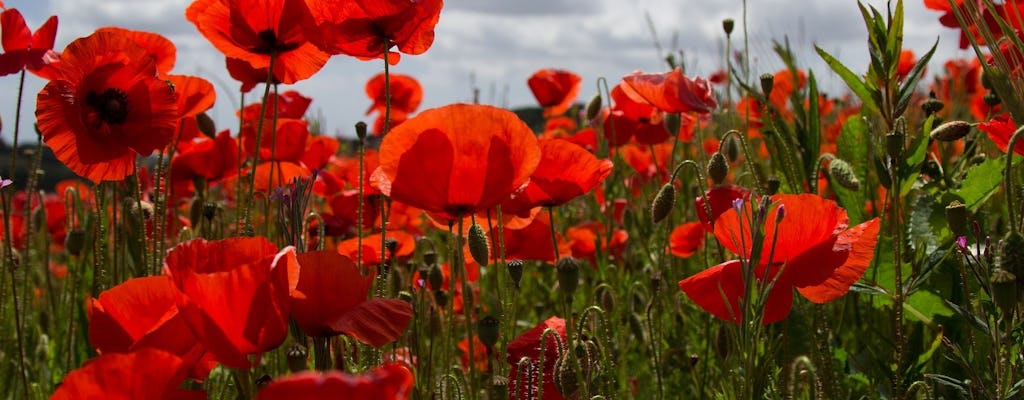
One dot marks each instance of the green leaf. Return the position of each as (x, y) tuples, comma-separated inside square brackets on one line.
[(895, 39), (924, 306), (852, 147), (921, 233), (982, 181), (909, 85), (925, 357), (913, 160), (811, 142), (851, 79)]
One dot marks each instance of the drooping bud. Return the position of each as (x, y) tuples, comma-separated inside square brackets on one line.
[(74, 241), (515, 270), (594, 107), (718, 168), (361, 130), (663, 202), (673, 122), (956, 218), (767, 83), (731, 148), (478, 246), (565, 377), (487, 330), (1004, 290), (206, 125), (727, 25), (951, 131), (568, 272), (842, 173)]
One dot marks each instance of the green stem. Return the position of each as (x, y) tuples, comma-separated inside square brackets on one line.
[(1008, 180), (747, 154), (247, 201)]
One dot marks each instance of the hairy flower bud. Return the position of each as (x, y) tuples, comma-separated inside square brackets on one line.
[(568, 272), (672, 123), (478, 247), (515, 270), (951, 131), (842, 174), (663, 202), (718, 168), (594, 107), (956, 218), (487, 330)]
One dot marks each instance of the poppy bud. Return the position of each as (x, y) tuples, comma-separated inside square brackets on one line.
[(727, 25), (568, 272), (663, 202), (1011, 254), (478, 247), (780, 213), (391, 244), (297, 355), (441, 298), (932, 105), (1004, 290), (773, 185), (361, 130), (565, 377), (842, 173), (991, 99), (986, 81), (894, 144), (956, 218), (672, 123), (435, 277), (767, 82), (951, 131), (606, 298), (405, 296), (206, 125), (718, 168), (74, 241), (594, 107), (248, 230), (487, 330), (515, 270), (209, 210), (731, 148)]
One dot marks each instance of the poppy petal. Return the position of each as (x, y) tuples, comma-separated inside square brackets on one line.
[(376, 322), (852, 250), (388, 382), (717, 290)]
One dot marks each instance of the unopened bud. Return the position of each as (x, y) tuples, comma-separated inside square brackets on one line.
[(718, 168), (773, 185), (206, 125), (361, 130), (74, 241), (1004, 290), (842, 174), (515, 270), (568, 272), (894, 144), (1011, 254), (672, 123), (435, 278), (663, 202), (767, 83), (731, 148), (594, 107), (478, 247), (991, 99), (951, 131), (441, 298), (487, 330), (956, 218)]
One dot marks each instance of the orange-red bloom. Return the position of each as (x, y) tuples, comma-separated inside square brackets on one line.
[(671, 92), (362, 28), (253, 31), (142, 374), (529, 345), (388, 382), (457, 159), (554, 89), (406, 93), (234, 294), (160, 48), (565, 171), (813, 250), (329, 298), (26, 50), (106, 107), (1000, 128), (686, 239)]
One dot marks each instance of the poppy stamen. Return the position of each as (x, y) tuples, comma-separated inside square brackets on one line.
[(270, 43), (111, 105)]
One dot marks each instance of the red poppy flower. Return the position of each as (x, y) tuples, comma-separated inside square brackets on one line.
[(329, 298), (907, 61), (106, 107), (290, 104), (645, 122), (720, 199), (387, 382), (671, 92), (281, 151), (159, 47), (235, 293), (686, 239), (1000, 128), (529, 346), (142, 374), (815, 250), (143, 313), (210, 159), (254, 30), (371, 247), (361, 28), (26, 50), (457, 159), (406, 93), (565, 172), (554, 89), (195, 94), (586, 238)]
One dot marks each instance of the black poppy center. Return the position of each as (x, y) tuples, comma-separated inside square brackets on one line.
[(270, 43), (111, 105)]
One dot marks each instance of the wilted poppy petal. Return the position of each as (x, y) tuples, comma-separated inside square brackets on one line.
[(388, 382)]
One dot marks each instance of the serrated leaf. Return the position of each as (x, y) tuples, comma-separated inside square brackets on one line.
[(851, 79), (982, 181)]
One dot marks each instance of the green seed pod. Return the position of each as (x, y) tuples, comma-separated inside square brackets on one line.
[(956, 218), (951, 131), (1004, 290), (478, 246), (74, 241), (297, 355), (673, 122), (767, 83), (515, 270), (842, 173), (594, 107), (727, 25), (487, 329), (361, 130), (568, 272), (718, 168), (206, 125), (663, 202)]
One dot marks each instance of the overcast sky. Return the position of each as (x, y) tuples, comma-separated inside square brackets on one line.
[(496, 45)]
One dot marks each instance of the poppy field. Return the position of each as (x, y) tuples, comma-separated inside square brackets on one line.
[(659, 235)]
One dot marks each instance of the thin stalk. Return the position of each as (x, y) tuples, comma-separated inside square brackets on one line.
[(247, 201), (17, 124), (467, 306), (1008, 180), (894, 209), (12, 267)]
